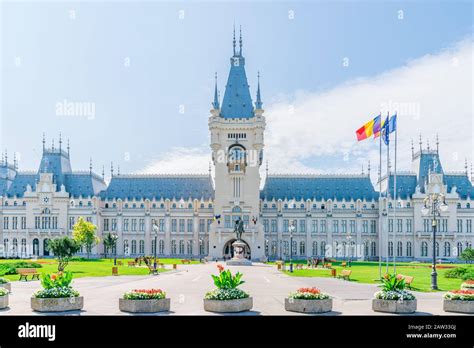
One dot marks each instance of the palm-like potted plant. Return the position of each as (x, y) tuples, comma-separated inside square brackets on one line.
[(227, 297), (57, 294), (4, 298), (393, 298), (144, 301), (5, 283), (308, 300), (460, 301)]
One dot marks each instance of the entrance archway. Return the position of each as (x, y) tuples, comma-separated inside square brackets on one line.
[(228, 251)]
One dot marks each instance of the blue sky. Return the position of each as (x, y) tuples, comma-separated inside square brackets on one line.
[(47, 57)]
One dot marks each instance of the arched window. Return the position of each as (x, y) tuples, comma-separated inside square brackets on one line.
[(437, 248), (286, 248), (447, 249), (399, 248), (302, 248), (174, 206), (189, 247), (162, 206), (424, 249), (315, 248), (344, 249), (161, 247), (373, 249), (468, 205), (294, 247), (45, 247), (173, 247), (36, 247), (323, 248), (274, 248), (408, 204), (181, 247), (15, 247), (190, 206), (366, 249), (390, 248), (134, 247), (458, 205), (125, 247), (459, 247), (409, 250), (142, 247), (23, 247)]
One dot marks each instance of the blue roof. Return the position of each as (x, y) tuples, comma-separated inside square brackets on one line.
[(18, 186), (406, 185), (143, 187), (55, 162), (429, 162), (319, 187), (237, 102), (463, 186), (83, 184)]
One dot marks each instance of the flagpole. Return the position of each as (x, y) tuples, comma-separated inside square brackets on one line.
[(380, 199), (387, 130), (395, 196)]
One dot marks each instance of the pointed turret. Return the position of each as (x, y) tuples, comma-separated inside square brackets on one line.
[(237, 102), (258, 103), (215, 104)]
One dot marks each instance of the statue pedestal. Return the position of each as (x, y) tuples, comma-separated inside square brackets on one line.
[(239, 259)]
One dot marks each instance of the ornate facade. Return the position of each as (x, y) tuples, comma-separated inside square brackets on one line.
[(333, 215)]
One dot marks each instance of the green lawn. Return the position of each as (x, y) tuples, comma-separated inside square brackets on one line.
[(368, 272), (93, 267)]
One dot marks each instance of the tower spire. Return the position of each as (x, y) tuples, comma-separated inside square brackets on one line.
[(118, 169), (103, 172), (90, 166), (437, 144), (412, 149), (68, 148), (428, 144), (240, 42), (362, 168), (266, 169), (368, 169), (215, 104), (258, 103), (15, 164), (60, 142), (234, 41), (52, 145), (111, 169), (44, 141), (465, 167), (421, 143)]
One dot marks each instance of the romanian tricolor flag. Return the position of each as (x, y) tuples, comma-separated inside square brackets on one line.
[(370, 128)]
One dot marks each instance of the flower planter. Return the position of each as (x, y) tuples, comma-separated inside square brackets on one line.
[(3, 301), (7, 286), (308, 306), (228, 306), (458, 306), (394, 306), (144, 306), (57, 304)]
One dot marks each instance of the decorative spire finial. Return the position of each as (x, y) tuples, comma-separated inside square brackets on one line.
[(428, 144), (60, 142), (103, 172), (68, 148), (90, 166), (118, 169), (52, 145), (6, 157), (437, 144), (44, 141), (266, 169), (465, 166), (412, 149), (362, 168), (15, 163), (209, 168), (472, 174), (233, 42), (240, 42), (258, 103), (215, 104), (111, 169), (368, 168), (421, 143)]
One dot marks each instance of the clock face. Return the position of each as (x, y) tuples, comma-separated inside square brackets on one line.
[(46, 199)]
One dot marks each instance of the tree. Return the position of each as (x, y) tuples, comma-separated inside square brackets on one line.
[(109, 242), (467, 255), (63, 248), (84, 232)]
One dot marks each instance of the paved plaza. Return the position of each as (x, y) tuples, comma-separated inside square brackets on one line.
[(187, 285)]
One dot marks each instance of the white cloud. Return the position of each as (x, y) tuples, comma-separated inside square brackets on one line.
[(432, 94), (315, 132)]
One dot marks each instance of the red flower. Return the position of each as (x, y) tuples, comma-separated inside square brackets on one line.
[(463, 292), (310, 290), (220, 268), (147, 291), (470, 281), (54, 276)]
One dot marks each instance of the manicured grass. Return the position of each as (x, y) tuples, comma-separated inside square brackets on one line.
[(368, 272), (92, 267)]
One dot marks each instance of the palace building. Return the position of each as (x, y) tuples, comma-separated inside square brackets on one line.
[(337, 216)]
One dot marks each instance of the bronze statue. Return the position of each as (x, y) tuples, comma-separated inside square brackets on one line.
[(239, 228)]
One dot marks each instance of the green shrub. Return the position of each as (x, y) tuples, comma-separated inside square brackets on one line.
[(57, 292), (226, 294), (145, 294), (4, 292), (10, 268), (464, 273), (4, 280)]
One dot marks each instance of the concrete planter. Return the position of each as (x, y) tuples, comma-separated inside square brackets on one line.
[(3, 301), (57, 304), (458, 306), (228, 306), (394, 306), (308, 306), (144, 306), (7, 286)]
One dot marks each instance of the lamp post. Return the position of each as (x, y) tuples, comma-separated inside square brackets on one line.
[(115, 238), (434, 205), (291, 228), (155, 230)]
